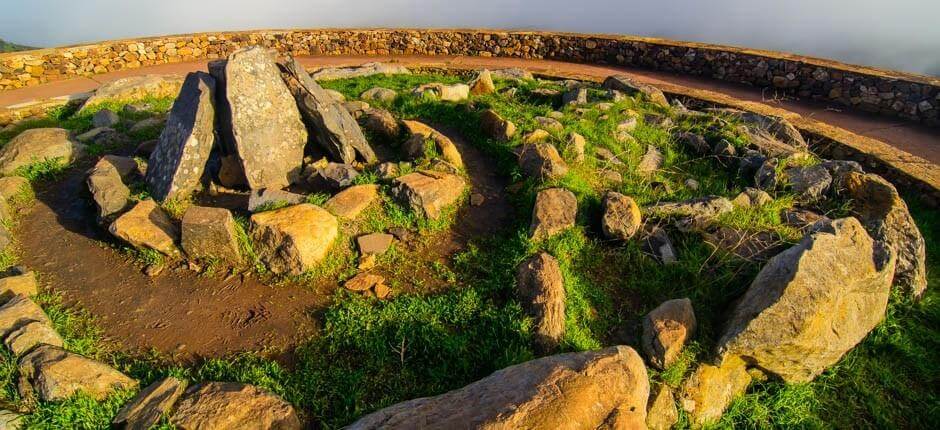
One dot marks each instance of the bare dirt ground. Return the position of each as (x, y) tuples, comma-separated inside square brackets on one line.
[(184, 315)]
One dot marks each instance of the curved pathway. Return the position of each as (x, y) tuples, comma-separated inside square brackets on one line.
[(911, 137)]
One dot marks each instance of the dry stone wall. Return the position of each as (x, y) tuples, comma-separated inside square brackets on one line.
[(893, 93)]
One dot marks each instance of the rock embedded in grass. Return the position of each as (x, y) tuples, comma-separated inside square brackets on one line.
[(39, 144), (10, 186), (554, 212), (146, 225), (379, 94), (621, 218), (482, 84), (333, 176), (666, 330), (607, 156), (421, 133), (56, 374), (147, 124), (630, 86), (496, 127), (574, 149), (661, 413), (105, 118), (542, 161), (349, 203), (149, 405), (223, 405), (361, 71), (29, 335), (270, 197), (651, 161), (536, 136), (374, 243), (751, 197), (134, 88), (575, 96), (657, 243), (549, 124), (294, 239), (708, 207), (445, 93), (710, 389), (809, 183), (696, 144), (607, 388), (210, 233), (428, 193), (381, 123)]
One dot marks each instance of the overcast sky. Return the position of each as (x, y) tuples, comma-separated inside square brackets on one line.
[(898, 34)]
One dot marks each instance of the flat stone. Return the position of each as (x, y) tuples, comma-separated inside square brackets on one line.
[(56, 374), (374, 243), (294, 239), (38, 144), (146, 225), (176, 165), (33, 333), (621, 217), (210, 233), (541, 289), (554, 212), (268, 197), (19, 284), (367, 69), (363, 282), (666, 330), (349, 203), (428, 193), (230, 405), (751, 197), (150, 405)]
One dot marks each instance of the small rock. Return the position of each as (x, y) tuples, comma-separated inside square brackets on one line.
[(725, 151), (229, 405), (374, 243), (270, 197), (356, 108), (536, 136), (611, 177), (422, 133), (19, 311), (621, 217), (662, 413), (839, 170), (150, 405), (384, 95), (550, 124), (666, 330), (147, 124), (210, 233), (810, 183), (447, 93), (766, 176), (658, 244), (752, 197), (294, 239), (607, 156), (334, 176), (574, 150), (630, 86), (477, 199), (10, 420), (575, 96), (146, 225), (709, 206), (710, 389), (802, 219), (541, 290), (33, 333), (107, 190), (139, 108), (429, 193), (691, 184), (388, 170), (512, 74), (695, 143), (555, 211), (651, 161), (542, 161), (482, 84), (627, 125), (105, 118), (381, 123), (56, 374), (11, 186), (349, 203), (400, 233), (382, 291), (363, 282), (555, 115), (18, 284)]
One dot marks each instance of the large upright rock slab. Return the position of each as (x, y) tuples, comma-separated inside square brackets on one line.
[(294, 239), (541, 289), (258, 118), (36, 145), (176, 165), (880, 208), (428, 193), (56, 374), (230, 405), (631, 86), (812, 303), (335, 129), (583, 390)]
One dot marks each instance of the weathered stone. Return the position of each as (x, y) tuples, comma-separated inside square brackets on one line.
[(709, 206), (542, 161), (333, 176), (512, 74), (363, 282), (33, 333), (230, 173), (710, 389), (802, 219), (269, 197), (210, 233), (749, 245), (374, 243), (10, 420), (536, 136), (146, 225), (811, 303), (350, 202), (627, 125), (230, 405), (556, 115), (661, 412), (150, 405), (555, 211), (630, 86), (107, 190), (139, 108), (388, 170), (294, 239), (367, 69), (135, 88), (694, 142), (887, 218), (496, 127), (258, 117), (666, 330), (147, 124), (56, 374), (810, 183), (541, 289), (176, 165), (751, 197), (19, 311), (381, 123), (725, 151), (125, 166), (574, 150), (18, 283), (772, 127), (657, 243), (105, 118), (482, 84), (356, 108), (36, 145), (5, 238), (428, 193), (575, 96), (446, 93), (766, 176), (621, 217), (421, 133), (335, 129), (337, 96), (550, 124), (839, 170), (607, 156), (608, 388), (651, 161), (11, 186), (379, 94)]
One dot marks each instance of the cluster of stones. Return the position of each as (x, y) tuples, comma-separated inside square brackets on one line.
[(891, 93)]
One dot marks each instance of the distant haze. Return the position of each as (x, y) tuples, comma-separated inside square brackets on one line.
[(895, 34)]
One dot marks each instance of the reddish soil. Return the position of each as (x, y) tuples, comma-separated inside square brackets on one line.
[(184, 315)]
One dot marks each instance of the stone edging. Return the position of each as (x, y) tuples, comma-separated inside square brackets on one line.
[(905, 95)]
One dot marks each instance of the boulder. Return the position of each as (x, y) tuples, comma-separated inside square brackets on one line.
[(258, 118), (332, 125), (135, 88), (420, 133), (105, 118), (594, 389), (482, 84), (710, 389), (495, 127), (445, 93), (628, 85), (150, 405), (146, 225), (107, 190), (810, 183), (886, 217), (210, 233), (334, 176), (661, 412), (574, 149), (575, 96), (555, 211), (56, 374), (812, 303), (19, 311), (18, 283), (379, 94), (707, 207), (381, 123), (33, 333), (36, 145), (541, 289), (666, 330), (294, 239), (230, 405), (349, 203), (428, 193), (176, 165), (621, 217), (269, 198), (542, 161), (367, 69), (651, 161)]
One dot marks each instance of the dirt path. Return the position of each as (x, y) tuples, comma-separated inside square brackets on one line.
[(180, 313)]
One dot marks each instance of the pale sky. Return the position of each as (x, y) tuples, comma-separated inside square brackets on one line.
[(896, 34)]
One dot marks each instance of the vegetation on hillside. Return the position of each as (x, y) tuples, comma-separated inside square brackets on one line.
[(12, 47)]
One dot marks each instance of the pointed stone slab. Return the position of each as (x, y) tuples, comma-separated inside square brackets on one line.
[(177, 163)]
